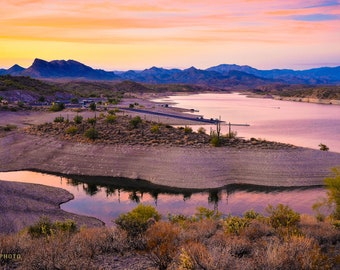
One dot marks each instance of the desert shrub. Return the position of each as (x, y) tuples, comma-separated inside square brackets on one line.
[(333, 192), (155, 129), (162, 243), (59, 119), (180, 219), (78, 119), (110, 119), (205, 213), (112, 112), (138, 219), (257, 229), (91, 133), (44, 227), (231, 134), (56, 107), (92, 121), (215, 140), (93, 106), (135, 122), (194, 255), (323, 147), (72, 130), (201, 130), (187, 130), (235, 225), (251, 214), (283, 217), (297, 253)]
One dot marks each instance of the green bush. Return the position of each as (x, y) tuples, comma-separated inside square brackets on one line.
[(110, 119), (78, 119), (251, 214), (92, 121), (235, 225), (137, 220), (91, 133), (333, 192), (205, 213), (215, 140), (59, 119), (283, 217), (136, 121), (72, 130), (187, 130), (56, 107), (93, 106), (155, 129), (44, 227)]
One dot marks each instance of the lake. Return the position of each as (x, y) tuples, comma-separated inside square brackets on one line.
[(298, 123), (107, 201), (301, 124)]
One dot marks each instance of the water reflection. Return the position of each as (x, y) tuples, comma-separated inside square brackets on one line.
[(106, 198)]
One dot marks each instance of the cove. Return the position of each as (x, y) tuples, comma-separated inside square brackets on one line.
[(106, 198), (297, 123)]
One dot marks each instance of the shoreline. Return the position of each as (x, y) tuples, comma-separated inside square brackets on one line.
[(181, 167), (176, 166), (22, 204)]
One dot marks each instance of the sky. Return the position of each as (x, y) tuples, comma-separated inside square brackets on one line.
[(139, 34)]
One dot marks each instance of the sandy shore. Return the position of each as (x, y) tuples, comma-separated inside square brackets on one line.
[(181, 167), (22, 204)]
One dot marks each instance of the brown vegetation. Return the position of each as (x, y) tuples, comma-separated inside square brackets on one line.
[(197, 242)]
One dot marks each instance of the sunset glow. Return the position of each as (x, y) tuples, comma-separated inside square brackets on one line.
[(131, 34)]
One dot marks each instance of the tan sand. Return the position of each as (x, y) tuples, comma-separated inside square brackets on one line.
[(181, 167), (22, 204)]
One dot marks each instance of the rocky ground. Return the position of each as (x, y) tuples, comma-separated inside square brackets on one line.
[(121, 131)]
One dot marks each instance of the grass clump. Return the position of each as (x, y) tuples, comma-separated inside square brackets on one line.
[(91, 133), (78, 119), (57, 107), (110, 119), (135, 122), (59, 119), (72, 130), (155, 129)]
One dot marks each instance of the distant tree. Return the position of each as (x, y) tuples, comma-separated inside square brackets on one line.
[(93, 106), (323, 147)]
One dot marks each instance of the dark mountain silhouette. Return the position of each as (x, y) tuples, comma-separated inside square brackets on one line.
[(14, 70), (221, 76), (323, 75), (66, 69)]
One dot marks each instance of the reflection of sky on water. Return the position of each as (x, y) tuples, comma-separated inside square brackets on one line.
[(298, 123), (108, 206)]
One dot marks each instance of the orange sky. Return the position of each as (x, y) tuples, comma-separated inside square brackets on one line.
[(132, 34)]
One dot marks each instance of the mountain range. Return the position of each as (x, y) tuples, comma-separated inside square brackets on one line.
[(221, 76)]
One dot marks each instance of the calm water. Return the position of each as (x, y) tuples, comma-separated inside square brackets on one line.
[(108, 201), (301, 124)]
